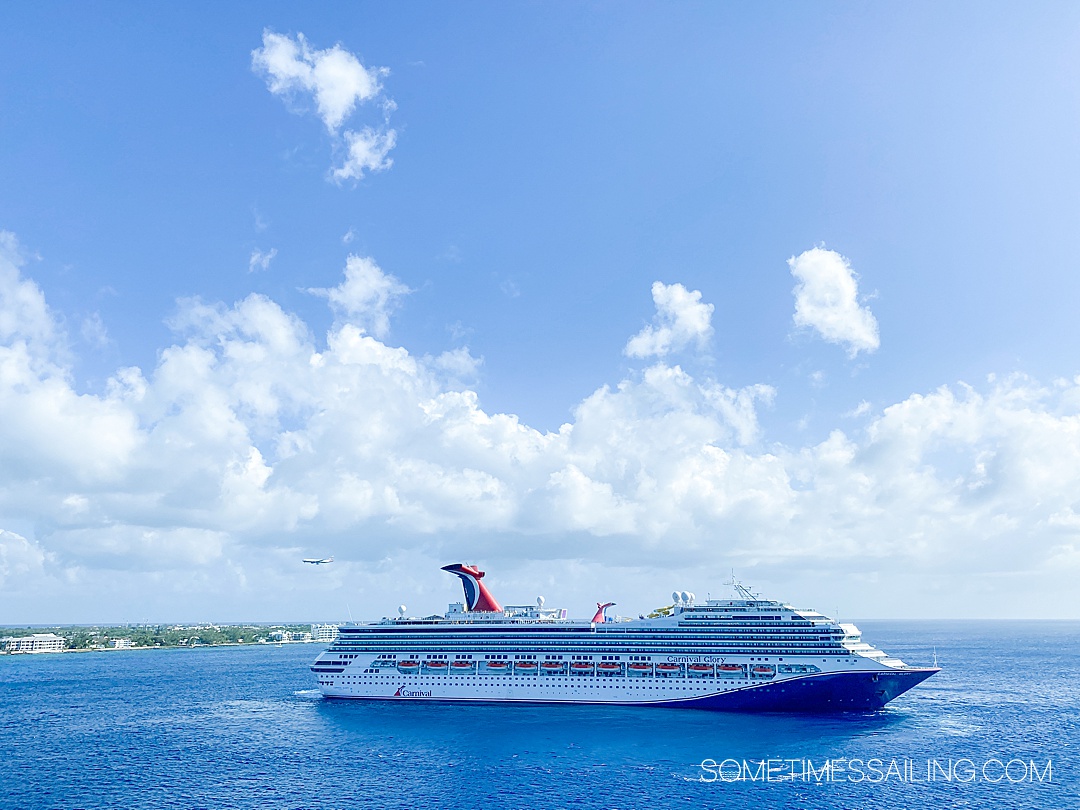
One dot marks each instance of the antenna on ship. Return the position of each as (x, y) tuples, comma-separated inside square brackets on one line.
[(741, 589), (935, 656)]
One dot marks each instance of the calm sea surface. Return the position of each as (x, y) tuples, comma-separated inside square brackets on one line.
[(244, 728)]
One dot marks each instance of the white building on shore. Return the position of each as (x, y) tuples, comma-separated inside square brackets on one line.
[(36, 643), (286, 636), (324, 633)]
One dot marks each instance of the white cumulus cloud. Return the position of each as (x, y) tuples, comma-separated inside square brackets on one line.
[(367, 296), (366, 151), (338, 83), (681, 319), (25, 319), (334, 77), (827, 301), (251, 438), (20, 559)]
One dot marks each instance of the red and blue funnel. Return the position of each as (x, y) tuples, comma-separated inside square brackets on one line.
[(601, 612), (477, 596)]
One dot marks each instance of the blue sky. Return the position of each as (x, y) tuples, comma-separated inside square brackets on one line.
[(170, 203)]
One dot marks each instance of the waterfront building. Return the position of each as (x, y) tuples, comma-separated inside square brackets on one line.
[(289, 636), (325, 633), (36, 643)]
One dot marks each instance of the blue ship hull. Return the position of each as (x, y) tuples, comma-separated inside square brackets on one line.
[(812, 694), (817, 694)]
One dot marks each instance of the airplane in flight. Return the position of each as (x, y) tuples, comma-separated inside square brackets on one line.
[(314, 561)]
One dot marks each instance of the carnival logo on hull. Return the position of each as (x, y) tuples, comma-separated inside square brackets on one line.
[(410, 693)]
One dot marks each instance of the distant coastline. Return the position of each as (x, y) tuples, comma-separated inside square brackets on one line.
[(114, 638)]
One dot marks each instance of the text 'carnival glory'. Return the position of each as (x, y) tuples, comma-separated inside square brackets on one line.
[(746, 654)]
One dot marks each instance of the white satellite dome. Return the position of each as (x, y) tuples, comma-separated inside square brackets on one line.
[(539, 601), (401, 611)]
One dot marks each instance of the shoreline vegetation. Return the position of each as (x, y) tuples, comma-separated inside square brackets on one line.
[(99, 638)]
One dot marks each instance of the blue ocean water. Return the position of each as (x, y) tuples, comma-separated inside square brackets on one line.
[(245, 728)]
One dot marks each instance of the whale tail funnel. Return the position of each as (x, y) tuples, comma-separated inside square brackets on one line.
[(477, 596), (601, 612)]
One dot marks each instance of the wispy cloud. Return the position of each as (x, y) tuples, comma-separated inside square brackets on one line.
[(93, 331), (260, 222), (861, 409), (261, 261), (509, 288)]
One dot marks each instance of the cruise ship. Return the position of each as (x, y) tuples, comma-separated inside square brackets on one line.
[(742, 654)]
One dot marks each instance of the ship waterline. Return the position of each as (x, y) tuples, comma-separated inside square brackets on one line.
[(744, 654)]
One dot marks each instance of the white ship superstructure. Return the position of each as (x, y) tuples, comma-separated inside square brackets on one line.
[(747, 653)]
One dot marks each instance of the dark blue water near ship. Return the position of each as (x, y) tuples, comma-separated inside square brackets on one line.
[(243, 728)]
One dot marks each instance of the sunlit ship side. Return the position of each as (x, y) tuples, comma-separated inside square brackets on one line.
[(744, 654)]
